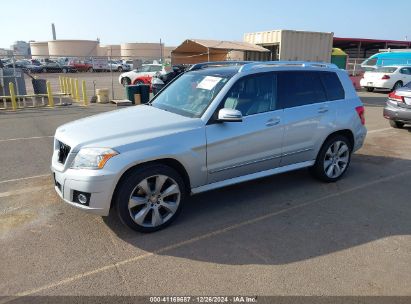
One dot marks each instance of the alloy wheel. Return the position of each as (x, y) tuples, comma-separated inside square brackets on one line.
[(336, 159), (154, 201)]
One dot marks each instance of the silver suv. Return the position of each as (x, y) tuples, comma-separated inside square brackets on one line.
[(211, 127)]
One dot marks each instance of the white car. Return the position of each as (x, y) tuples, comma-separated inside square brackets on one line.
[(386, 78), (140, 76), (118, 66)]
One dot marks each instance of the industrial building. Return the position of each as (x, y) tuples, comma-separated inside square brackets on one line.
[(200, 50), (292, 45)]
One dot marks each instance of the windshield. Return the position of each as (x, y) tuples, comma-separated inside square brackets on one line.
[(385, 70), (190, 94)]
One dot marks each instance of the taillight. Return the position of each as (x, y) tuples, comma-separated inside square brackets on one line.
[(360, 112), (385, 77), (393, 96)]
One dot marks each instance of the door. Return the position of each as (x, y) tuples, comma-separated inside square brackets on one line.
[(405, 75), (308, 115), (240, 148)]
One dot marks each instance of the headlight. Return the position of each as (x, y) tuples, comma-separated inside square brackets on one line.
[(92, 158)]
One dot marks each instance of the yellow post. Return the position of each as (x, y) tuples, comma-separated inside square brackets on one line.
[(13, 96), (73, 89), (77, 90), (66, 84), (61, 84), (50, 95), (83, 87)]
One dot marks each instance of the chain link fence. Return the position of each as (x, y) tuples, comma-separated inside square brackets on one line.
[(98, 72)]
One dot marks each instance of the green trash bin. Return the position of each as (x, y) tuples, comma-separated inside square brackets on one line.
[(131, 92), (339, 58), (145, 93)]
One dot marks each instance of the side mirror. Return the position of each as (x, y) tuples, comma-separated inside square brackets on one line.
[(230, 115)]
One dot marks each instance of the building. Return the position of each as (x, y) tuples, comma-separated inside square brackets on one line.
[(199, 50), (20, 48), (364, 48), (292, 45)]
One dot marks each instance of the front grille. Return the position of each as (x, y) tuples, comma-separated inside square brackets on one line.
[(63, 152)]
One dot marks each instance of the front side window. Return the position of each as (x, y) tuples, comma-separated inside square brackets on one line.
[(298, 88), (190, 94), (253, 94)]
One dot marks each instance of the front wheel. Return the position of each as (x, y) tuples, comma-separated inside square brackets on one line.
[(396, 124), (333, 159), (150, 198), (370, 89)]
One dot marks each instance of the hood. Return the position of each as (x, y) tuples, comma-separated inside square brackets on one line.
[(117, 129)]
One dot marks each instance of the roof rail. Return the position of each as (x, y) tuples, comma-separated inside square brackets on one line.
[(203, 65), (262, 64)]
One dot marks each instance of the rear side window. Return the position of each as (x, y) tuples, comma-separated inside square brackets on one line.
[(333, 86), (300, 88)]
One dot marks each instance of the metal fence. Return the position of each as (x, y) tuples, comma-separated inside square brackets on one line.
[(98, 72)]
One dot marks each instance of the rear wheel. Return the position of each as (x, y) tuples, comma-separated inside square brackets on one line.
[(65, 70), (370, 89), (396, 124), (150, 198), (120, 69), (333, 159), (139, 82), (90, 69), (397, 85)]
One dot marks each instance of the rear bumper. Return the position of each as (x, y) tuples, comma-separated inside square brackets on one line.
[(378, 84), (397, 113)]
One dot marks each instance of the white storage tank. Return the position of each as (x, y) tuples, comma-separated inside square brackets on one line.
[(143, 51), (295, 45), (39, 49), (73, 48)]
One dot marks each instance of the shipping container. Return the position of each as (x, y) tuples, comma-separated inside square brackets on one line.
[(294, 45)]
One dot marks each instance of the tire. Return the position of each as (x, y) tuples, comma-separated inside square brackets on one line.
[(125, 81), (64, 70), (370, 89), (396, 124), (333, 159), (44, 70), (139, 82), (90, 70), (148, 211), (397, 85), (120, 69)]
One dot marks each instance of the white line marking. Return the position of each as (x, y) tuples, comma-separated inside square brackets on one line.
[(24, 138), (199, 238), (23, 178), (379, 130), (25, 190)]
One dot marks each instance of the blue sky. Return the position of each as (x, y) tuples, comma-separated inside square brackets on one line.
[(147, 21)]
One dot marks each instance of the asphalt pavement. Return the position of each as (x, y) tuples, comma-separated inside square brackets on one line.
[(284, 235)]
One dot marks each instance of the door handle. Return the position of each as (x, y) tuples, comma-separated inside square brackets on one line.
[(273, 122), (323, 110)]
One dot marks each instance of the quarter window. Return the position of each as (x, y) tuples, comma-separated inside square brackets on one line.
[(332, 86), (300, 88), (253, 94)]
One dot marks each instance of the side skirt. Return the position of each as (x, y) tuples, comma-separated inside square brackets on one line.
[(248, 177)]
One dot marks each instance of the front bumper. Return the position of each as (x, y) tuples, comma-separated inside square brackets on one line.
[(100, 188), (397, 113)]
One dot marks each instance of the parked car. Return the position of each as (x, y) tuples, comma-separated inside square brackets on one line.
[(118, 66), (26, 66), (392, 58), (142, 75), (398, 107), (160, 80), (81, 65), (386, 78), (211, 127), (55, 67)]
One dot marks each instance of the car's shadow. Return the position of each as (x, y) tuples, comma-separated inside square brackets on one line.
[(286, 218)]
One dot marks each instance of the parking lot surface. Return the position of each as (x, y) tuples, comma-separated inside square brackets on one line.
[(283, 235)]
